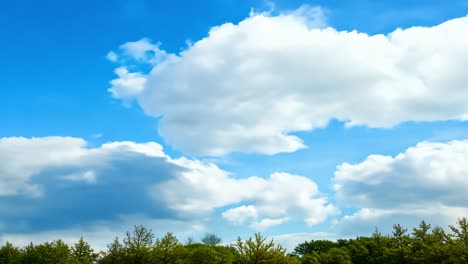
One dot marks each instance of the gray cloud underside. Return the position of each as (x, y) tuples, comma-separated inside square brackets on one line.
[(58, 182), (427, 181)]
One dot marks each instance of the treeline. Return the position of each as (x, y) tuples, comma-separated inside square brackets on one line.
[(422, 244)]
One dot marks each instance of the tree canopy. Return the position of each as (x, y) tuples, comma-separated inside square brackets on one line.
[(421, 244)]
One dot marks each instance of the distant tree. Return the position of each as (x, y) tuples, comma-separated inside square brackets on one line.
[(190, 240), (82, 253), (458, 244), (422, 232), (420, 243), (56, 252), (257, 251), (319, 246), (336, 256), (61, 253), (29, 254), (378, 246), (423, 245), (227, 253), (137, 245), (205, 254), (460, 232), (438, 245), (114, 255), (399, 250), (211, 239), (167, 250), (311, 258), (10, 254), (360, 250)]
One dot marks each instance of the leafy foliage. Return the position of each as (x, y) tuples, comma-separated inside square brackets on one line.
[(211, 239), (423, 244)]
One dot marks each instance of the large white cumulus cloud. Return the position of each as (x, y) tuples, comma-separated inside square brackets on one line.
[(85, 185), (428, 181), (246, 87)]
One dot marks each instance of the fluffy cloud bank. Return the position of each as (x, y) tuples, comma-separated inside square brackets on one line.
[(428, 181), (83, 185), (272, 201), (248, 86)]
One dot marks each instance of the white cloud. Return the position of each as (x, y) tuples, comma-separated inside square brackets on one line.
[(247, 87), (112, 56), (127, 85), (21, 158), (120, 178), (312, 16), (87, 176), (268, 222), (200, 189), (273, 199), (96, 136), (143, 51), (241, 214), (427, 181), (91, 191)]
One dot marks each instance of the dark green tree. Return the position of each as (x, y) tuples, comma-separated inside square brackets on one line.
[(458, 244), (399, 250), (211, 239), (115, 253), (82, 252), (56, 252), (335, 256), (319, 246), (420, 243), (10, 254)]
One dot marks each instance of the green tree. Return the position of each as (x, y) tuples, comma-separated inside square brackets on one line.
[(167, 250), (29, 255), (359, 250), (211, 239), (437, 246), (61, 253), (335, 256), (319, 246), (458, 243), (137, 245), (201, 254), (115, 253), (420, 243), (311, 258), (83, 253), (257, 251), (460, 232), (10, 254), (399, 249), (56, 252)]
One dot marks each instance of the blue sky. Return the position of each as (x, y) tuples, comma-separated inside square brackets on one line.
[(299, 119)]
